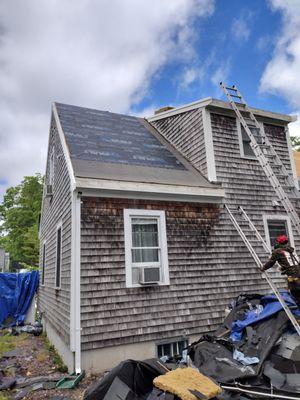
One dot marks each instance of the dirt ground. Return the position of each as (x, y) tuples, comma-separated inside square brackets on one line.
[(33, 357)]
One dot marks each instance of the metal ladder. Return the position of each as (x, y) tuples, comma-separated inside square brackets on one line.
[(272, 165), (256, 258)]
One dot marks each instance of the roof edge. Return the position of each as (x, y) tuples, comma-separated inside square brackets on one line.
[(64, 146), (155, 189), (216, 103)]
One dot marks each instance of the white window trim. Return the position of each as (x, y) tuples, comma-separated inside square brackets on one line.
[(240, 137), (268, 217), (59, 225), (128, 214), (43, 266)]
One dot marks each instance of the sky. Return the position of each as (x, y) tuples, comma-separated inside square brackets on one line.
[(134, 56)]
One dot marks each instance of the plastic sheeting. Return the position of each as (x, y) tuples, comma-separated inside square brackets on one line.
[(16, 293)]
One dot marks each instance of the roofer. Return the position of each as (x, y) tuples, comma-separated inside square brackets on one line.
[(283, 253)]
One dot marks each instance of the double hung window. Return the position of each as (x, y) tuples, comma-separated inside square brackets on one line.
[(145, 247)]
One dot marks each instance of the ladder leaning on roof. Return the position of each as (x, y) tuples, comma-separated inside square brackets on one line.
[(272, 165), (240, 211)]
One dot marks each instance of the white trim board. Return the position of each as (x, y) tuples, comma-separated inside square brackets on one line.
[(65, 147), (211, 102), (149, 188), (209, 146)]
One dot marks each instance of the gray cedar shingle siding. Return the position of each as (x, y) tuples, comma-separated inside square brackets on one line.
[(112, 314), (245, 184), (55, 304), (185, 132)]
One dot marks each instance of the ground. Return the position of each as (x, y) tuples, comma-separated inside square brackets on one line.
[(34, 357)]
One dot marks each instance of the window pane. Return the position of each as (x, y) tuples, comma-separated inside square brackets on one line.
[(246, 141), (276, 228), (144, 232), (144, 255)]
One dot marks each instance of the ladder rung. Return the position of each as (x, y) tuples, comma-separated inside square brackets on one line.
[(231, 88), (236, 95)]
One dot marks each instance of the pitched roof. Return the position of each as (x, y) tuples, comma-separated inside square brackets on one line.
[(105, 145)]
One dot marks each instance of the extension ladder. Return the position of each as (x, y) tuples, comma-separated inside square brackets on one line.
[(240, 211), (272, 165)]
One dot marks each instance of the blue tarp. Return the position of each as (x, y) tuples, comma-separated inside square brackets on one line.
[(270, 307), (16, 293)]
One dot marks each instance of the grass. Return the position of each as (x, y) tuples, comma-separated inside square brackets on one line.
[(58, 362), (3, 397), (9, 342)]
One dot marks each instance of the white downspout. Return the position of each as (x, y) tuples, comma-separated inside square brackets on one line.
[(75, 320)]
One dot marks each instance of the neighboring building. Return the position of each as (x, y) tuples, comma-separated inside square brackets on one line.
[(4, 260), (296, 155), (138, 255)]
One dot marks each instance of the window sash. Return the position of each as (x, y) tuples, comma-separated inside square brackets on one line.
[(144, 220), (274, 232)]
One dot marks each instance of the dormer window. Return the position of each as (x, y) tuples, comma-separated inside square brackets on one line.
[(244, 140)]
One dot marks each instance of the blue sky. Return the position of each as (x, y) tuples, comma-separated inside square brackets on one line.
[(134, 56), (239, 37)]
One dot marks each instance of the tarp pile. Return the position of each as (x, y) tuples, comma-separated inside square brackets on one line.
[(254, 354), (16, 294), (255, 348)]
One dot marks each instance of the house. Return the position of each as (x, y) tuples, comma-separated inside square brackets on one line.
[(4, 260), (138, 255), (296, 155)]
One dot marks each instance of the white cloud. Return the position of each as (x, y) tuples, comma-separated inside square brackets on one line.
[(294, 127), (96, 54), (240, 26), (281, 75)]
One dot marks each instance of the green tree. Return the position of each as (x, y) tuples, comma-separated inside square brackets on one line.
[(295, 140), (19, 214)]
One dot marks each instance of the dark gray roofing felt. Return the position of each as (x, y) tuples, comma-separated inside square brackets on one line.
[(120, 147)]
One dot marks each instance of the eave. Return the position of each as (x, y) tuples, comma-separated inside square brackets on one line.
[(221, 106), (148, 191)]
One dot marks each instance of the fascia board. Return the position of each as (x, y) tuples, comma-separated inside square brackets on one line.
[(65, 147), (150, 190)]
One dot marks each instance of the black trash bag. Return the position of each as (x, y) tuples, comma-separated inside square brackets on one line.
[(137, 375)]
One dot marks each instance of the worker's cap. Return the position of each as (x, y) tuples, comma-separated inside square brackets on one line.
[(282, 239)]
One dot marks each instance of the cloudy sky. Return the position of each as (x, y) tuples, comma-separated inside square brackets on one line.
[(134, 56)]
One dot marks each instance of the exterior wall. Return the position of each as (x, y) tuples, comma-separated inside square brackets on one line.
[(185, 132), (103, 359), (246, 185), (55, 303), (113, 315)]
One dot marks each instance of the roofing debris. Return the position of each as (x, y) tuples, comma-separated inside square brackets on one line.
[(254, 354)]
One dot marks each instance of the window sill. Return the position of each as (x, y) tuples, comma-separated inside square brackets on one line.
[(137, 285)]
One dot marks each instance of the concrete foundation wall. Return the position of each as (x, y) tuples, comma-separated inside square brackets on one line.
[(61, 347), (100, 360)]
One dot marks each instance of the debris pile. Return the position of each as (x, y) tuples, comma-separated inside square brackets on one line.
[(254, 354)]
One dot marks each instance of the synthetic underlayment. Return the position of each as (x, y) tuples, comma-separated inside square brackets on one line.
[(107, 137)]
